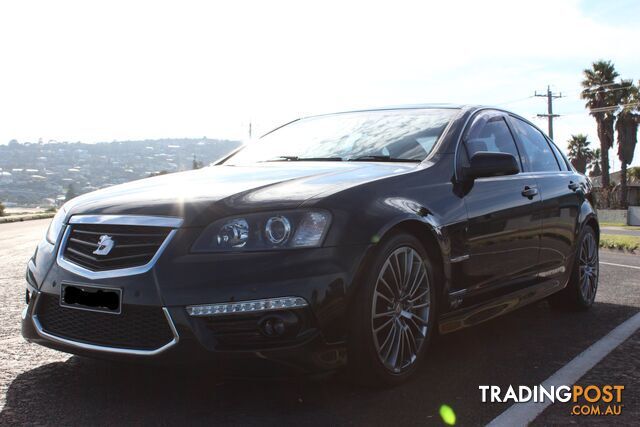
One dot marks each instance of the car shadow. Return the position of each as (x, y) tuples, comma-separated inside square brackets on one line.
[(524, 348)]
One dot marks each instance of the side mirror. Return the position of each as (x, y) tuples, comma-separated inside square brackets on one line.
[(485, 164)]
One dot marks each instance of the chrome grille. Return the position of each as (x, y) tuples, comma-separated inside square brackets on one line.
[(134, 245)]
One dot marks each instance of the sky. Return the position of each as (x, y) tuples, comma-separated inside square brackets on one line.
[(125, 70)]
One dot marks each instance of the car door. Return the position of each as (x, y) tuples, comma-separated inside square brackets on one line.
[(560, 189), (504, 222)]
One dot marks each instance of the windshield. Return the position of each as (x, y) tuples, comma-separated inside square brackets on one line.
[(388, 135)]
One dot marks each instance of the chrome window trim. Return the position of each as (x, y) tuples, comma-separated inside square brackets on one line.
[(154, 221), (140, 220), (106, 349)]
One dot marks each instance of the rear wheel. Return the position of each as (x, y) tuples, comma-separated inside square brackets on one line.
[(394, 313), (580, 292)]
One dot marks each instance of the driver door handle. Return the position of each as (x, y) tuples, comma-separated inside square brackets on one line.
[(529, 192)]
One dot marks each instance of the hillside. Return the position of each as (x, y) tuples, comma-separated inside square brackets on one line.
[(39, 173)]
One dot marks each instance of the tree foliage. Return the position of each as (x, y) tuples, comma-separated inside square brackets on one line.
[(580, 154), (627, 129), (71, 192), (598, 91), (196, 164)]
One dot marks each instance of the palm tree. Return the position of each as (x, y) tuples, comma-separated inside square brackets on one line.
[(627, 129), (580, 154), (594, 165), (598, 84)]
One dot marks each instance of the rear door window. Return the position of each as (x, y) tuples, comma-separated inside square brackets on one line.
[(536, 151)]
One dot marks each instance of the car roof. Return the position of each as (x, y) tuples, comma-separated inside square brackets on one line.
[(397, 107)]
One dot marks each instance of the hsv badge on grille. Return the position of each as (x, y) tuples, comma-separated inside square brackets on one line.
[(105, 244)]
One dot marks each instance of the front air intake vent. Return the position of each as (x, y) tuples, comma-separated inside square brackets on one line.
[(138, 327)]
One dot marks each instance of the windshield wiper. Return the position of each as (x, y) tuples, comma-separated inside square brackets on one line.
[(304, 159), (381, 158)]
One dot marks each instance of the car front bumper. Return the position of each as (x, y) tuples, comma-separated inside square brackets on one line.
[(315, 341)]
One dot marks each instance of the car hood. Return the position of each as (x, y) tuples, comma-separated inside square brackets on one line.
[(202, 195)]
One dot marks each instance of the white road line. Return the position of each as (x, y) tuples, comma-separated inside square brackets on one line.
[(620, 265), (521, 414)]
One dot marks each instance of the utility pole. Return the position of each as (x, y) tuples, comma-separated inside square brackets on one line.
[(550, 97)]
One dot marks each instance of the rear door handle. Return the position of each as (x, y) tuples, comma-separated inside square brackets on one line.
[(529, 192), (573, 186)]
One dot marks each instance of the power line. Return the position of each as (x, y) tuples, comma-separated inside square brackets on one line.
[(601, 109), (515, 100), (605, 90), (602, 88), (613, 107), (550, 116)]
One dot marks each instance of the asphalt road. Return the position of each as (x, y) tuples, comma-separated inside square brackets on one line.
[(43, 387)]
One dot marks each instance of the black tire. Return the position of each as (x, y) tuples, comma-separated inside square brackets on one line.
[(579, 294), (367, 348)]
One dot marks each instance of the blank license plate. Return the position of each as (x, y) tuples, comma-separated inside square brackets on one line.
[(91, 298)]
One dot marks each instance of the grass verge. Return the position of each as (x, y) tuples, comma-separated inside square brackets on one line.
[(615, 241), (619, 224), (28, 217)]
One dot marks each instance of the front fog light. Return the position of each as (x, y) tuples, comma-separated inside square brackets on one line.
[(277, 229), (246, 306)]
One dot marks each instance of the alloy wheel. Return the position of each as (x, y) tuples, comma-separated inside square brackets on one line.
[(589, 268), (400, 310)]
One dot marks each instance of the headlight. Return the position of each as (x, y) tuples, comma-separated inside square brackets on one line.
[(55, 227), (233, 234), (265, 231), (277, 230)]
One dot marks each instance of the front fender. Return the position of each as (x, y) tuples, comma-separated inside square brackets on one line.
[(435, 238), (588, 215)]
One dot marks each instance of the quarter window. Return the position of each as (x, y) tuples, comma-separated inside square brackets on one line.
[(536, 150), (490, 133)]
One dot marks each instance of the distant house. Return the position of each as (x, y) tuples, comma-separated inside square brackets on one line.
[(633, 187)]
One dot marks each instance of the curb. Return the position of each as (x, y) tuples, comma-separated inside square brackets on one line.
[(620, 251), (20, 218)]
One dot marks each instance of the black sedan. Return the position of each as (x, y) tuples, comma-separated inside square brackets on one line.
[(341, 240)]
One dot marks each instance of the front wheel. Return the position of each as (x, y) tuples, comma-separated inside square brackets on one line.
[(394, 313), (580, 292)]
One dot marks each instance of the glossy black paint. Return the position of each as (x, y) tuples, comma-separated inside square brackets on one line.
[(499, 242)]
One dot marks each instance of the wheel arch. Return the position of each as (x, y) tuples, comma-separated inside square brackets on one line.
[(588, 216), (434, 242), (592, 221)]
